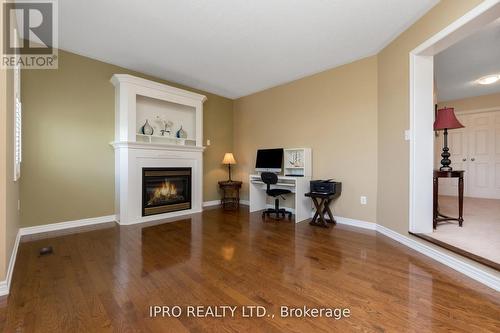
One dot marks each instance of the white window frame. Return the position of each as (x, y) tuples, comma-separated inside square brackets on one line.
[(17, 124)]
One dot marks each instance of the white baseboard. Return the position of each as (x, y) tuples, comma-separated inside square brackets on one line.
[(217, 202), (66, 225), (211, 203), (457, 264), (353, 222), (5, 284), (356, 223)]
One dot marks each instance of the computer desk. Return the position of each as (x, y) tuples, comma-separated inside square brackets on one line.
[(299, 186)]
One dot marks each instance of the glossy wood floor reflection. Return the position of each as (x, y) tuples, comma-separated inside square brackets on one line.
[(106, 280)]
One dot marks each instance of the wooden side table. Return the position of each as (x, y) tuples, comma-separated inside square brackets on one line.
[(230, 194), (438, 217), (322, 203)]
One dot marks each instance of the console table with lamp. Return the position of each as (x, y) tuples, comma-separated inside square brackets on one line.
[(230, 188), (446, 120)]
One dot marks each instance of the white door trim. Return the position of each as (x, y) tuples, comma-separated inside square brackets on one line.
[(422, 110)]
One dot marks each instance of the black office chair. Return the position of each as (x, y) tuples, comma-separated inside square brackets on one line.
[(269, 179)]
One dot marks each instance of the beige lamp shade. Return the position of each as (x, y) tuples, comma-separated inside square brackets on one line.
[(228, 159)]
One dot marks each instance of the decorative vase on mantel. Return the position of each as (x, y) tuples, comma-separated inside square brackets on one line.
[(181, 134), (147, 129)]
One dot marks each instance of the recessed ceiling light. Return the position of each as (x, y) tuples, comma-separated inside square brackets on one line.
[(489, 79)]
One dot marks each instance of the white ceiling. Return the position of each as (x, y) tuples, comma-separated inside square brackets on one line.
[(459, 66), (233, 47)]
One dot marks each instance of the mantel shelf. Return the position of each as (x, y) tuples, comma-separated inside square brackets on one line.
[(168, 140), (154, 146)]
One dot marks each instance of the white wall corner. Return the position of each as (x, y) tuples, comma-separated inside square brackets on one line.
[(5, 284)]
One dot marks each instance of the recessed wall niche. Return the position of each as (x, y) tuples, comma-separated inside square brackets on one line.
[(165, 117)]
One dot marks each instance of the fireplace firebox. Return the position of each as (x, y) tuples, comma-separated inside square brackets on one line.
[(165, 190)]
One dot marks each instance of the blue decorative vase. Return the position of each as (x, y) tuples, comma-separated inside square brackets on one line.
[(181, 134), (147, 129)]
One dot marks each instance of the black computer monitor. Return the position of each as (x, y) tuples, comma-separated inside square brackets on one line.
[(269, 160)]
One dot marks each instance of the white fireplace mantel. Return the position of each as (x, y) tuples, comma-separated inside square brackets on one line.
[(131, 156), (155, 146)]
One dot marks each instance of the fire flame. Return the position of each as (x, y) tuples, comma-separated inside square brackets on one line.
[(164, 192)]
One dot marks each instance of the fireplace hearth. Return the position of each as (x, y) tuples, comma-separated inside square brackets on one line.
[(165, 190)]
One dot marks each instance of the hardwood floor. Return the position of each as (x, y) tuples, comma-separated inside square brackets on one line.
[(107, 279)]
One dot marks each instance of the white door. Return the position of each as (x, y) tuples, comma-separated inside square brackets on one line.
[(476, 149), (481, 156), (484, 156)]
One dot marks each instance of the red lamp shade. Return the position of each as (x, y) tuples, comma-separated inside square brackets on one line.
[(446, 119)]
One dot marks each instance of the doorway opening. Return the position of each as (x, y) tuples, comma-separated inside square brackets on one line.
[(435, 86)]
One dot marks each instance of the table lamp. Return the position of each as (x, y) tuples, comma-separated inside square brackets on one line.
[(229, 159), (446, 120)]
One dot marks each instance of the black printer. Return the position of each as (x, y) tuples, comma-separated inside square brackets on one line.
[(325, 186)]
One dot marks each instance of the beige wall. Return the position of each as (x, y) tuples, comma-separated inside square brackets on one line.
[(68, 165), (393, 111), (335, 114), (473, 103), (9, 190)]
